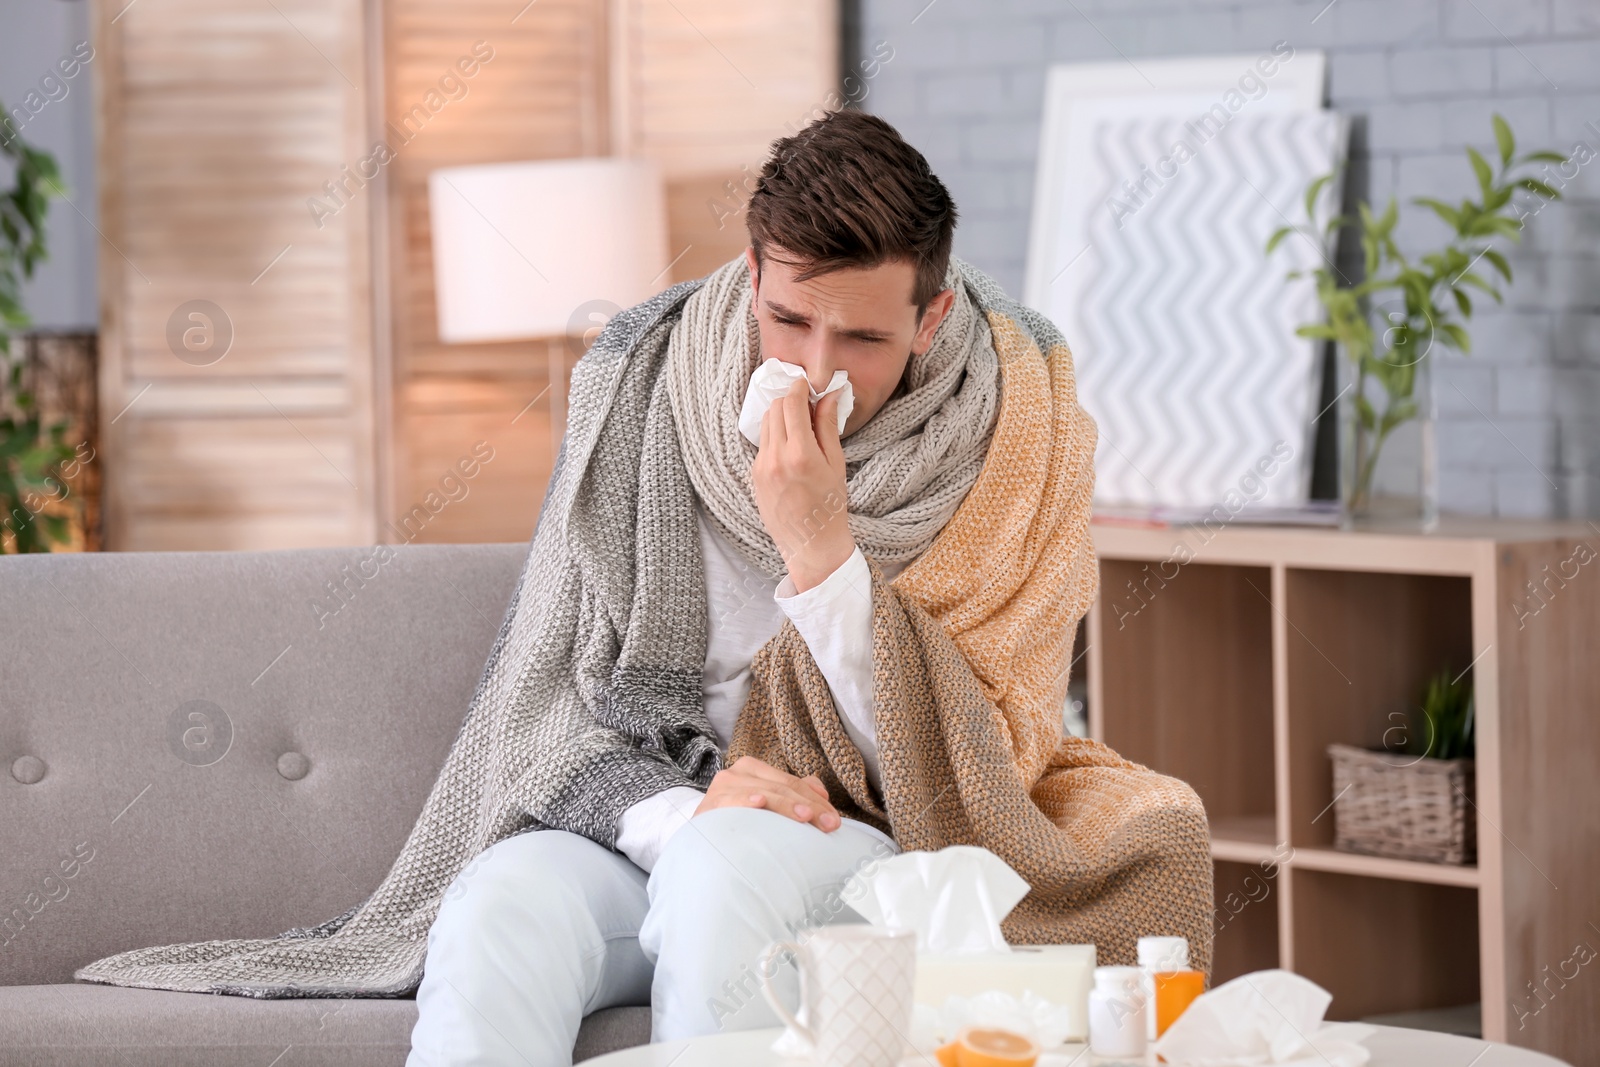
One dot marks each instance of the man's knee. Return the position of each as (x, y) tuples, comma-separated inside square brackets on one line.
[(514, 882), (730, 860), (740, 844)]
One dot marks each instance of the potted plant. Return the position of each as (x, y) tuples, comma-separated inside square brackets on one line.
[(1411, 799), (32, 517), (1386, 324)]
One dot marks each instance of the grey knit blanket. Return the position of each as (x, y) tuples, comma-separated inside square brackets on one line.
[(591, 697)]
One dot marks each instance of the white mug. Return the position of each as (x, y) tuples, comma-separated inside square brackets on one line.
[(856, 986)]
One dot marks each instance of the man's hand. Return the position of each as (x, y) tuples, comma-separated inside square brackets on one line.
[(750, 783), (798, 477)]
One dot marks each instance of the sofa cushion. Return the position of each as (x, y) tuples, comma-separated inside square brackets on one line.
[(199, 745), (81, 1025)]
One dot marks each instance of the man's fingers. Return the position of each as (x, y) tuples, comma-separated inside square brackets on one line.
[(802, 806), (777, 799), (771, 429), (798, 798), (758, 784), (782, 801), (796, 405), (827, 424), (765, 771), (780, 779)]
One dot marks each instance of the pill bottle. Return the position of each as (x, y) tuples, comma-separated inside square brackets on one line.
[(1159, 954), (1118, 1013), (1175, 991)]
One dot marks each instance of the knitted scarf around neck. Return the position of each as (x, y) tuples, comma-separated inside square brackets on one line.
[(906, 469), (591, 697)]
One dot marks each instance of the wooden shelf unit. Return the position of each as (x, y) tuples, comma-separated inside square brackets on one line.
[(1233, 657)]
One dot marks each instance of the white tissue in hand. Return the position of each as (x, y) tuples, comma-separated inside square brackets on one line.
[(953, 898), (771, 381), (1261, 1018)]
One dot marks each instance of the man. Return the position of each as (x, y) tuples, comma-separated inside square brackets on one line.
[(734, 673), (552, 926)]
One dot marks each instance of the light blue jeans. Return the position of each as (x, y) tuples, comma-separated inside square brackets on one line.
[(543, 928)]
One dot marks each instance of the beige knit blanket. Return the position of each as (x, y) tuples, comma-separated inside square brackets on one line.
[(971, 653)]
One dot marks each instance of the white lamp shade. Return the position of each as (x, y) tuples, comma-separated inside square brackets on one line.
[(518, 248)]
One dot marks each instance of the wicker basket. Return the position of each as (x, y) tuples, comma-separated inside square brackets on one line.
[(1388, 804)]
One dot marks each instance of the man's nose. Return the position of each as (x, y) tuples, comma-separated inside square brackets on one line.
[(819, 361)]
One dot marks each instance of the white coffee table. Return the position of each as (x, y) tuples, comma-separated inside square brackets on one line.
[(1391, 1047)]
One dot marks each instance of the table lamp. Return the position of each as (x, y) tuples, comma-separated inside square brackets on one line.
[(547, 249), (518, 247)]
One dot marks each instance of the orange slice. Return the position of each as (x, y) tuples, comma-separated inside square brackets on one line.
[(994, 1048)]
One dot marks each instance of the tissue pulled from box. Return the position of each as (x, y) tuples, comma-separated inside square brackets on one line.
[(1268, 1017), (771, 382), (953, 898)]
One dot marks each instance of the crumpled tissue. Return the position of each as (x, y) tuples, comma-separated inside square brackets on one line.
[(953, 898), (772, 380), (1268, 1017)]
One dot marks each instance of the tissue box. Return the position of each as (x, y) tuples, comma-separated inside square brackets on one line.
[(1063, 974)]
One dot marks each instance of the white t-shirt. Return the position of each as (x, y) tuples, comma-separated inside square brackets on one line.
[(746, 609)]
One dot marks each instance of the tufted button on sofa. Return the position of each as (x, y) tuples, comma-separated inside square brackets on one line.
[(218, 745)]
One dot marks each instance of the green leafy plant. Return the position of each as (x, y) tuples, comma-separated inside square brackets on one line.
[(1433, 290), (29, 451), (1442, 725)]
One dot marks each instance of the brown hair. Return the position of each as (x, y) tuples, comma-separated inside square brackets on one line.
[(847, 191)]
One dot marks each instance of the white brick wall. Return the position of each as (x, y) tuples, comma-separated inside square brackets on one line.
[(1520, 417)]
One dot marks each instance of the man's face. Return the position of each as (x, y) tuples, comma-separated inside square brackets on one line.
[(858, 320)]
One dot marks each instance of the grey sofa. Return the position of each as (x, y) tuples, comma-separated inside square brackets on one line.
[(214, 745)]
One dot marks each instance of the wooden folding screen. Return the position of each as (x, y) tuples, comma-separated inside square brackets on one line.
[(237, 392), (701, 86), (272, 373), (539, 93)]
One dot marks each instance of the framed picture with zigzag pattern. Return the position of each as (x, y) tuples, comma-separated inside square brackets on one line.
[(1158, 184)]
